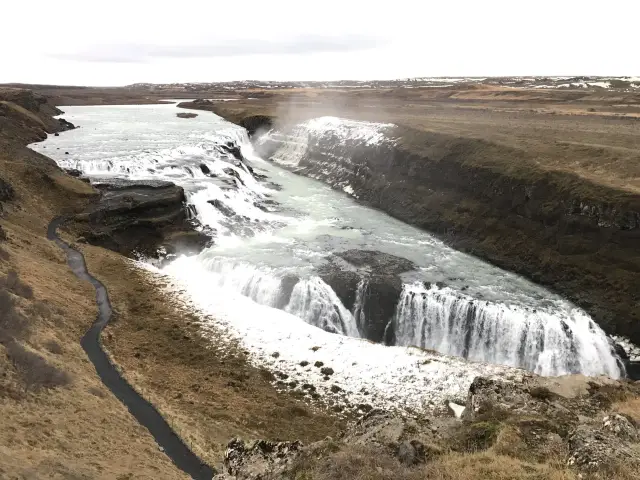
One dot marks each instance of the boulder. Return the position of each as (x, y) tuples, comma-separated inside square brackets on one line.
[(411, 453), (186, 115), (258, 460), (621, 427), (141, 217), (224, 209), (373, 275)]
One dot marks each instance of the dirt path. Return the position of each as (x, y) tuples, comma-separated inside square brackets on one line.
[(141, 409)]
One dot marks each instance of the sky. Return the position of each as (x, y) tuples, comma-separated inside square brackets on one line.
[(116, 42)]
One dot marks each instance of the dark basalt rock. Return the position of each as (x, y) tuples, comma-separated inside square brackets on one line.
[(287, 284), (256, 123), (65, 125), (73, 172), (232, 149), (140, 217), (224, 209), (380, 271)]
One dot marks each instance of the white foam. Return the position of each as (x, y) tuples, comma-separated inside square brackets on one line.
[(392, 378)]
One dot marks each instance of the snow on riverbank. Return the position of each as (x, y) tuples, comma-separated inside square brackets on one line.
[(339, 370)]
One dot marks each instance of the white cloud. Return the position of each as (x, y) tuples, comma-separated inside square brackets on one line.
[(120, 42)]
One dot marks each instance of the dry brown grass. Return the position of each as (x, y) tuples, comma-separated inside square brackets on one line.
[(67, 431), (206, 389), (367, 463), (629, 407)]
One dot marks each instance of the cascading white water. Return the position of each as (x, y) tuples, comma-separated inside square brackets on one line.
[(358, 306), (270, 256), (316, 303), (549, 343), (310, 298)]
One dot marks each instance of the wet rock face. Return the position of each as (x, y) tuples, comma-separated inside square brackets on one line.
[(141, 217), (256, 123), (368, 284), (65, 125)]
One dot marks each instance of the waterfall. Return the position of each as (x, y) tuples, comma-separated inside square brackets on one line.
[(561, 342), (333, 133), (358, 307), (310, 299), (316, 303)]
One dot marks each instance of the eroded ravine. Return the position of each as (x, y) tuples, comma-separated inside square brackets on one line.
[(143, 411)]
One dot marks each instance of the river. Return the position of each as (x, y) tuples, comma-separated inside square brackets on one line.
[(272, 225)]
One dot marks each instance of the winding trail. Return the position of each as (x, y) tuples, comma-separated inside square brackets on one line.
[(141, 409)]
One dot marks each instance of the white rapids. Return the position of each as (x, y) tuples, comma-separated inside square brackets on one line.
[(273, 229)]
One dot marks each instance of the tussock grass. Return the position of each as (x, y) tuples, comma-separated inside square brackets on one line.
[(13, 283), (13, 324), (53, 346), (630, 408), (36, 373), (369, 463)]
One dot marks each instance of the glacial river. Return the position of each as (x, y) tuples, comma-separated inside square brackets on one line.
[(271, 224)]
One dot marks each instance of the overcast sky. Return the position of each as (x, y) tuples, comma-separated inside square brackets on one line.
[(120, 42)]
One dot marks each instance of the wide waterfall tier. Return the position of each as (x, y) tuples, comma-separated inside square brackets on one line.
[(309, 299), (549, 342)]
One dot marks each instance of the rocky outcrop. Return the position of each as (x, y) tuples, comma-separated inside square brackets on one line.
[(409, 441), (539, 421), (186, 115), (28, 117), (141, 217), (368, 284), (570, 414), (258, 459)]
